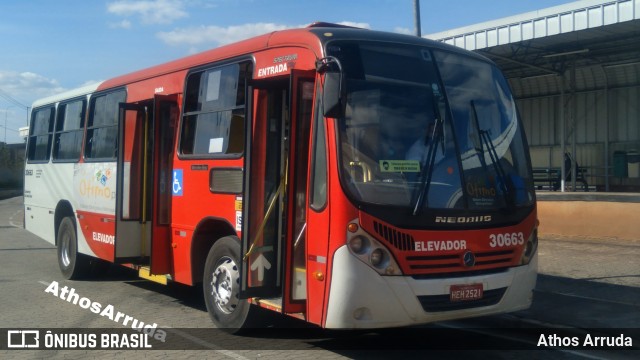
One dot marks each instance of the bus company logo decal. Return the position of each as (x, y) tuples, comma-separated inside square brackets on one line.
[(102, 176), (95, 186), (463, 219), (88, 188)]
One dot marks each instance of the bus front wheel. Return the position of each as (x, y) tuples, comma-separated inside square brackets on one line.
[(72, 264), (221, 285)]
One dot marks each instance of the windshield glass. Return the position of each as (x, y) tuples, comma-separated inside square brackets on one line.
[(408, 138), (490, 141)]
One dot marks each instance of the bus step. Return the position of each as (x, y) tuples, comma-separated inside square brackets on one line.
[(145, 273), (271, 304)]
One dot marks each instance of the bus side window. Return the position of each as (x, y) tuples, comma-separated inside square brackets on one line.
[(214, 113), (69, 129), (102, 128), (40, 133)]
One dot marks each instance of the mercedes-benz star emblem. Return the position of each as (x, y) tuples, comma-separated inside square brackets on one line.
[(469, 259)]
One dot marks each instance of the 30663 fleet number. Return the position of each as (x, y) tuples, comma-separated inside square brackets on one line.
[(507, 239)]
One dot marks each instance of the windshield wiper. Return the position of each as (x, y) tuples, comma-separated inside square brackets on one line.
[(437, 135), (485, 138)]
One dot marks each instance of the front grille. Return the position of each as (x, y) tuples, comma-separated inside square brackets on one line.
[(401, 241), (451, 262), (415, 262), (436, 303)]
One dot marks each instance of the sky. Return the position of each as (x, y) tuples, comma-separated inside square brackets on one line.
[(50, 46)]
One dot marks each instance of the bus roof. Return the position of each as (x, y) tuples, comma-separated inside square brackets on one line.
[(313, 37), (70, 94)]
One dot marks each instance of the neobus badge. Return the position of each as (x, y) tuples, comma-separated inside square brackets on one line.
[(463, 219)]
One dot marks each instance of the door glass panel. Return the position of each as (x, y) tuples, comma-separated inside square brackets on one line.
[(301, 156), (262, 242), (132, 164), (168, 113)]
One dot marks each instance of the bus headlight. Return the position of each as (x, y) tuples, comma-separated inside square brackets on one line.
[(530, 248), (371, 251), (359, 244), (376, 257)]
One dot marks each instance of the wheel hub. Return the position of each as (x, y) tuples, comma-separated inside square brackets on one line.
[(225, 283), (64, 254)]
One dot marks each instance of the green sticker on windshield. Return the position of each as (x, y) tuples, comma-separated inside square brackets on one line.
[(399, 166)]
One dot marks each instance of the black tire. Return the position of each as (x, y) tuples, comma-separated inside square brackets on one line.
[(72, 264), (221, 284)]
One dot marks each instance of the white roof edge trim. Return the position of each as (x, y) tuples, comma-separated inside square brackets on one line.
[(528, 16), (70, 94)]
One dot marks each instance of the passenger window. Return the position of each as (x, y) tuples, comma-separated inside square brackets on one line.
[(102, 128), (214, 114), (68, 135), (40, 133)]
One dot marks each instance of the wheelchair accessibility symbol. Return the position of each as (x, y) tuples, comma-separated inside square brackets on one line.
[(177, 182)]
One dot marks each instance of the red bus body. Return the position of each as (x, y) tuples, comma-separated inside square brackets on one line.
[(160, 208)]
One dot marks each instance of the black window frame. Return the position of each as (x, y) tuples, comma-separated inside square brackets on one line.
[(319, 158), (191, 108), (59, 130), (32, 146), (91, 128)]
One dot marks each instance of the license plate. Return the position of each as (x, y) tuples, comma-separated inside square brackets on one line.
[(465, 292)]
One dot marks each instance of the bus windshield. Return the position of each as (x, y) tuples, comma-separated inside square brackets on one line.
[(429, 129)]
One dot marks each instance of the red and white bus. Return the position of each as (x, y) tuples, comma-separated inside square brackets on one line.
[(347, 177)]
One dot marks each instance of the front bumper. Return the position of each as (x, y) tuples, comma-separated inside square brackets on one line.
[(361, 298)]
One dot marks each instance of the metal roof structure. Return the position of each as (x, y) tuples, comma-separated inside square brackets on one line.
[(575, 72), (588, 34)]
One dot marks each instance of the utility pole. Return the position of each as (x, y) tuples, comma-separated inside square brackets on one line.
[(416, 17), (6, 114)]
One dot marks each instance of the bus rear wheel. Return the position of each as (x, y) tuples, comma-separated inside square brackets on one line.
[(73, 265), (221, 285)]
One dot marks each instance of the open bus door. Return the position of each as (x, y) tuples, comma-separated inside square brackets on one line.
[(265, 191), (274, 226), (132, 206), (295, 284), (167, 115), (145, 155)]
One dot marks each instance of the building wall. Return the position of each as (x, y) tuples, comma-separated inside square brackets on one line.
[(11, 165), (542, 114)]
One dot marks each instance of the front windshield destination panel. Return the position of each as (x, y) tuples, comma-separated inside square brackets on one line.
[(420, 120)]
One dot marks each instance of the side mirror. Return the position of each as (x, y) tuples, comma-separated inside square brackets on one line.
[(333, 95)]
